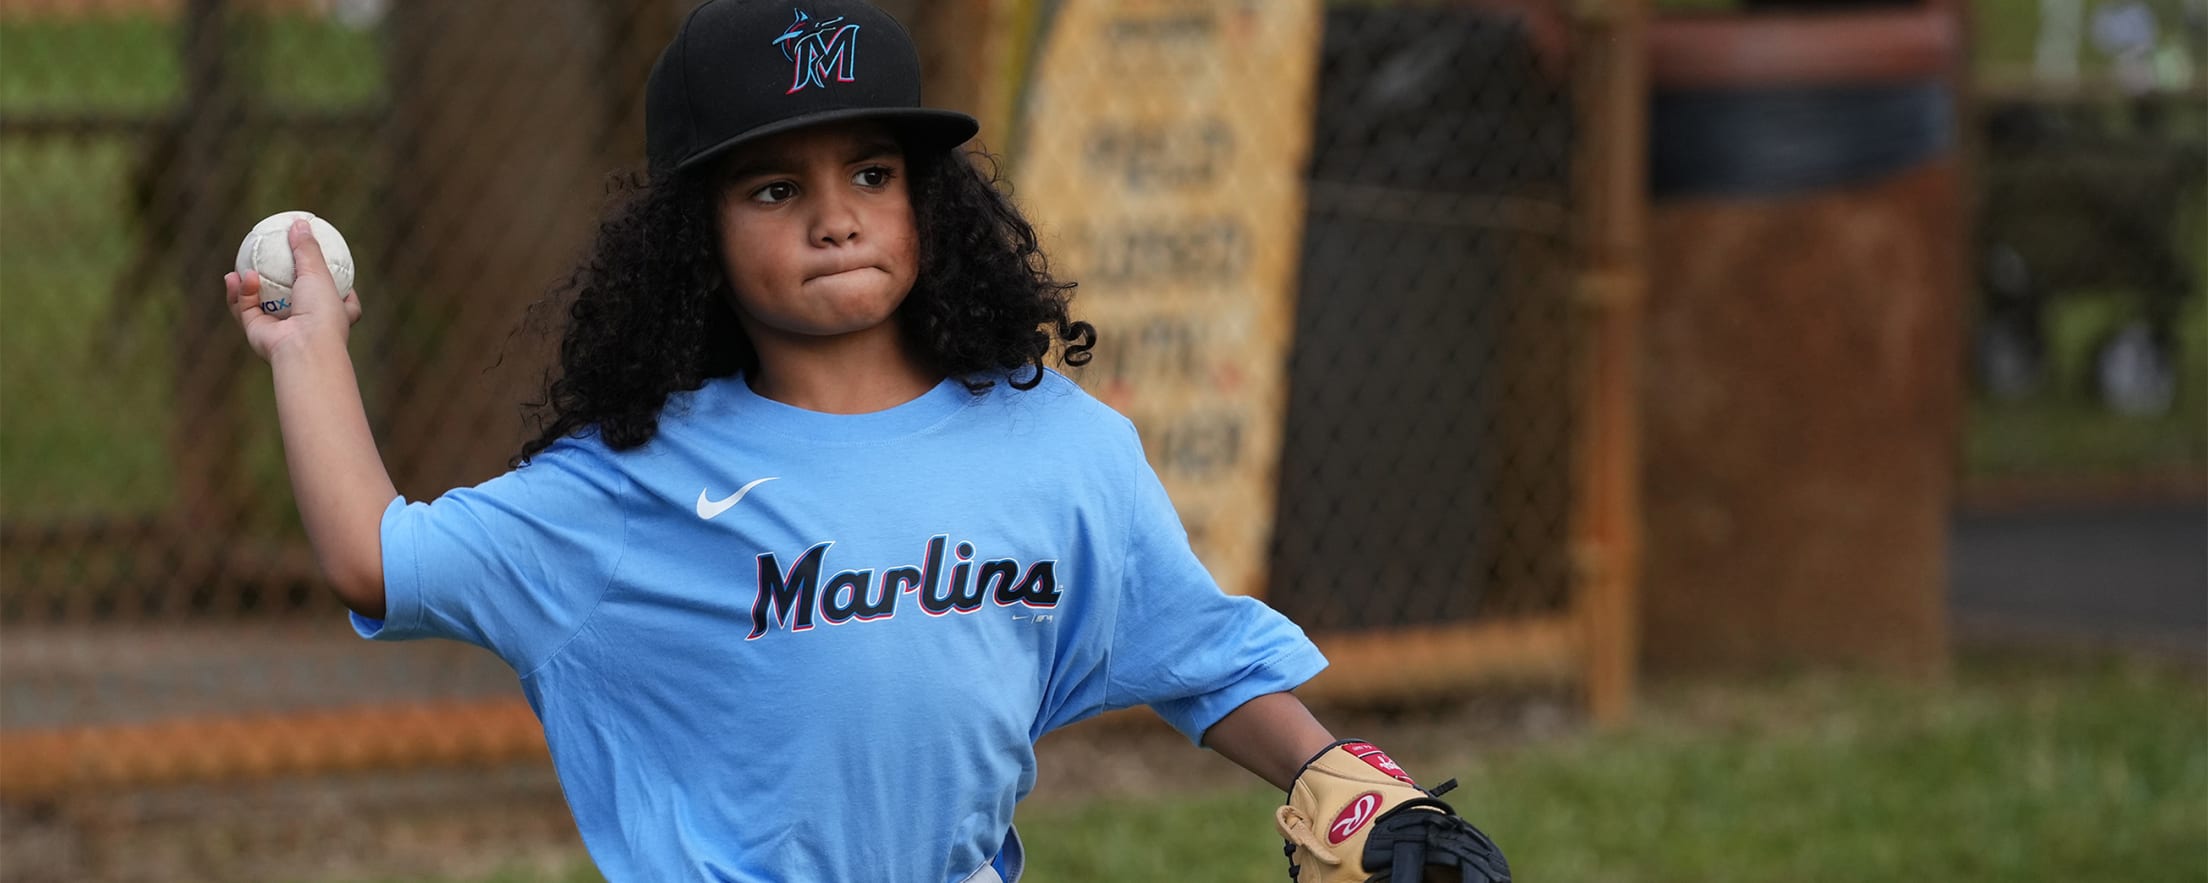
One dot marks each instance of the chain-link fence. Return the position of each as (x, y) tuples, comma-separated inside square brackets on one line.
[(1429, 422), (1396, 328)]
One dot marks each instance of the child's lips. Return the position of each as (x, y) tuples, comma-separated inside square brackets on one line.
[(832, 273)]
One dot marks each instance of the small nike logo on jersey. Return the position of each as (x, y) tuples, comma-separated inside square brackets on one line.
[(710, 508)]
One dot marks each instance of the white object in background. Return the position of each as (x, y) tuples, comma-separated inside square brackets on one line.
[(2055, 58), (2134, 373), (359, 15), (2126, 32)]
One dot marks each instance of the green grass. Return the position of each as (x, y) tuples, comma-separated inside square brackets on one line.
[(74, 65), (135, 63), (2006, 775), (2018, 770), (2064, 431), (84, 393)]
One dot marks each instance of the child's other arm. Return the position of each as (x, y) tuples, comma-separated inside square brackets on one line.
[(1271, 735), (337, 475)]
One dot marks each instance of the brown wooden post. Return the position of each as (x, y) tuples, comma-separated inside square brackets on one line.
[(635, 32), (201, 199), (1610, 82)]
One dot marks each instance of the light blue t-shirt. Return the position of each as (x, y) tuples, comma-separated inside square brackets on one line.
[(779, 645)]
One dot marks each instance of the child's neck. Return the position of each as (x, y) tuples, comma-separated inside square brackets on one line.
[(856, 375)]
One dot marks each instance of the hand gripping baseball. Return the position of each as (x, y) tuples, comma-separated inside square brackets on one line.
[(1353, 816), (318, 308)]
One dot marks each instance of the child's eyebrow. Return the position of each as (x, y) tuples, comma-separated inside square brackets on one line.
[(875, 150), (783, 164), (777, 164)]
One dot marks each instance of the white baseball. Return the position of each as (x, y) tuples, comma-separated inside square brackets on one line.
[(268, 250)]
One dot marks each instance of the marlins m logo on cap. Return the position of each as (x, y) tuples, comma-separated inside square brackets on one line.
[(820, 50), (717, 86)]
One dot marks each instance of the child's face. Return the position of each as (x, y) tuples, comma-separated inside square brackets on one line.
[(816, 231)]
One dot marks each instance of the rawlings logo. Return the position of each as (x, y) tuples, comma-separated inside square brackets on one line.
[(820, 51), (1353, 817), (1379, 760)]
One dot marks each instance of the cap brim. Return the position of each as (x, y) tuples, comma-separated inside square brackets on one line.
[(921, 127)]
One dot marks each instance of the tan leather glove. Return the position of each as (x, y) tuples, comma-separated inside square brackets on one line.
[(1354, 816)]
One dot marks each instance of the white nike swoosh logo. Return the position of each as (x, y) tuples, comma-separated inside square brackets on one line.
[(708, 508)]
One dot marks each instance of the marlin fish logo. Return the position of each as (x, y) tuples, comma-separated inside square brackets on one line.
[(819, 51)]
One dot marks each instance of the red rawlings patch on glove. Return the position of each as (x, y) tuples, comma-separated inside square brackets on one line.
[(1379, 760), (1353, 817)]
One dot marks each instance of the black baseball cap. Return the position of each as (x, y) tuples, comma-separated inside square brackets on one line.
[(741, 70)]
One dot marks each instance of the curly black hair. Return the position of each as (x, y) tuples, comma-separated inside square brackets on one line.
[(651, 311)]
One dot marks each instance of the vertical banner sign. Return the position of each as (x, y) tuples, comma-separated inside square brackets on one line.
[(1162, 159)]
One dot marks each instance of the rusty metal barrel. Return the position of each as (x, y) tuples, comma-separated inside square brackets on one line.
[(1802, 389)]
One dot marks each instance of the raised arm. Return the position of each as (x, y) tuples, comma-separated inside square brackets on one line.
[(337, 476)]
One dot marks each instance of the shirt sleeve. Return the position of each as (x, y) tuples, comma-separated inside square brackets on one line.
[(1181, 645), (513, 565)]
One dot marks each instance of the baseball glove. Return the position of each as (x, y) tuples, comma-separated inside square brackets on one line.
[(1353, 816)]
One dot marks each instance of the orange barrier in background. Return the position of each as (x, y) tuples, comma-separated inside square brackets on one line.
[(37, 763), (40, 763)]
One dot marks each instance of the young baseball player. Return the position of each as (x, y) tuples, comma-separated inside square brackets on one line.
[(812, 547)]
